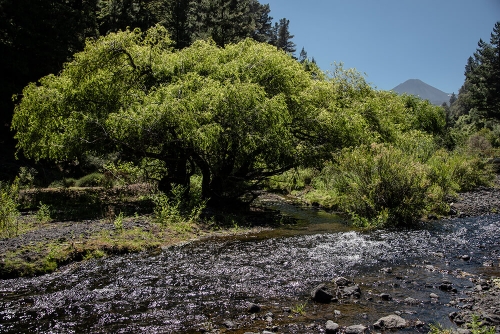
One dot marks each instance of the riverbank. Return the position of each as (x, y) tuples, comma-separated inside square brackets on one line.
[(42, 247)]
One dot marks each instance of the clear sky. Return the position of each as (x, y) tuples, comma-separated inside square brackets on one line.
[(391, 40)]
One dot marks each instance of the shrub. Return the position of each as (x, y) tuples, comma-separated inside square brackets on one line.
[(69, 182), (458, 171), (118, 222), (380, 185), (175, 210), (26, 177), (9, 213), (94, 180), (294, 179), (43, 213)]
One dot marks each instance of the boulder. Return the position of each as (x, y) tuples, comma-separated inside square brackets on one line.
[(385, 296), (351, 291), (253, 308), (332, 327), (411, 301), (356, 329), (342, 281), (320, 294), (390, 322)]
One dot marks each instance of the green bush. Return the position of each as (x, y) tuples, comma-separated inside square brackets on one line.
[(69, 182), (43, 213), (457, 171), (26, 177), (9, 213), (94, 180), (294, 179), (175, 210), (380, 185)]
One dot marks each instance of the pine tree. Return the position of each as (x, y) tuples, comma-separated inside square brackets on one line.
[(225, 21), (263, 22), (176, 16), (117, 15), (483, 76), (283, 36), (453, 98), (303, 55)]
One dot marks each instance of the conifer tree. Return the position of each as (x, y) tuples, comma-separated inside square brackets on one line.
[(283, 36), (483, 76), (303, 55), (263, 22)]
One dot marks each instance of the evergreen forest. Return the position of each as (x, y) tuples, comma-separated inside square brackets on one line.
[(206, 102)]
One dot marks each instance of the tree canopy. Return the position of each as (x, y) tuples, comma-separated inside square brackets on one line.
[(233, 113)]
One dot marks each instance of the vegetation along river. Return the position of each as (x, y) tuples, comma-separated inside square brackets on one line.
[(211, 285)]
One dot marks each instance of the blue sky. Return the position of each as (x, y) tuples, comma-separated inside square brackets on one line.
[(391, 40)]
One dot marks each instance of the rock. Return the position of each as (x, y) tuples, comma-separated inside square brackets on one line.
[(411, 301), (356, 329), (446, 286), (253, 308), (337, 313), (386, 270), (462, 331), (321, 295), (390, 322), (434, 296), (331, 327), (342, 281), (465, 257), (352, 291), (492, 319), (228, 324), (419, 323), (385, 296)]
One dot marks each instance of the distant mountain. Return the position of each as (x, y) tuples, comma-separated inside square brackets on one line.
[(423, 90)]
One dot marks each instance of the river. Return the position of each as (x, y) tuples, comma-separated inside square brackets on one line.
[(208, 285)]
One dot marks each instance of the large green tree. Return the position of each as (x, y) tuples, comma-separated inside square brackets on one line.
[(236, 114)]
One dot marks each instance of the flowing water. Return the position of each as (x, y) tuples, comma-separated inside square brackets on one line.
[(207, 285)]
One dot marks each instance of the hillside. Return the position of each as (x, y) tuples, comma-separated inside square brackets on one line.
[(425, 91)]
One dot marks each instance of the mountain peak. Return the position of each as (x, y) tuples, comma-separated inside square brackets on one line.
[(425, 91)]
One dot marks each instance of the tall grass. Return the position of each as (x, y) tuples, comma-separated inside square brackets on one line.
[(175, 210), (9, 214)]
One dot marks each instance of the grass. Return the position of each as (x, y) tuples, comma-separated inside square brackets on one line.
[(46, 256), (475, 327), (299, 309)]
